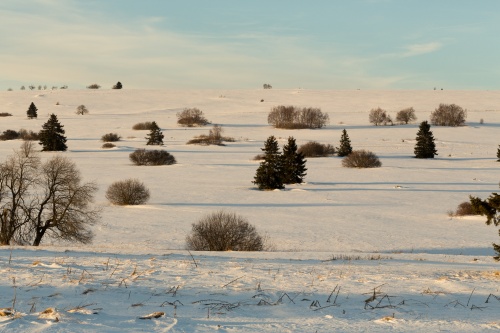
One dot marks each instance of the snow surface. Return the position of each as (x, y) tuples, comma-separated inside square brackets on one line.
[(388, 227)]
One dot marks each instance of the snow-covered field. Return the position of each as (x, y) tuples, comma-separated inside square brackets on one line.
[(388, 228)]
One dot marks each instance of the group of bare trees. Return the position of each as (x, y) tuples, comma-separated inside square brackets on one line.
[(44, 200)]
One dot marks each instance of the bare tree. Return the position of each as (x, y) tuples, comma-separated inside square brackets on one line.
[(448, 115), (82, 110), (17, 176), (63, 207), (378, 116), (406, 115)]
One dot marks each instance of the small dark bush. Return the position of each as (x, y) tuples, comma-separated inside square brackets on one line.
[(92, 86), (5, 114), (361, 159), (448, 115), (316, 149), (192, 117), (221, 231), (259, 157), (127, 192), (29, 135), (151, 157), (291, 117), (110, 137), (9, 135), (118, 85), (464, 209), (148, 125), (108, 145)]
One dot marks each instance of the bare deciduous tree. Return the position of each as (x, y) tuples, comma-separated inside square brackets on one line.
[(82, 110), (378, 116), (448, 115), (406, 115)]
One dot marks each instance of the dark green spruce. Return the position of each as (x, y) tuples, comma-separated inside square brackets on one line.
[(155, 136), (425, 146), (491, 209), (269, 173), (32, 111), (345, 145), (52, 135), (294, 163)]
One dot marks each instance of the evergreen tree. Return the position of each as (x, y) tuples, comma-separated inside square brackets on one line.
[(498, 154), (345, 145), (425, 147), (155, 136), (32, 111), (491, 209), (269, 172), (52, 135), (294, 163)]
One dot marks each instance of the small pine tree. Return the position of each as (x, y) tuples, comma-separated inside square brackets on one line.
[(32, 111), (345, 145), (425, 146), (294, 163), (52, 135), (155, 136), (269, 173)]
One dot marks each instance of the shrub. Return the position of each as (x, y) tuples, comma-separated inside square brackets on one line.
[(464, 209), (92, 86), (406, 115), (28, 135), (291, 117), (259, 157), (448, 115), (267, 86), (316, 149), (9, 135), (379, 116), (127, 192), (5, 114), (81, 109), (151, 157), (108, 145), (361, 159), (148, 125), (191, 117), (221, 231), (110, 137), (214, 137), (118, 85)]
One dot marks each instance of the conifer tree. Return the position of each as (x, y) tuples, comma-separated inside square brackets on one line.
[(52, 135), (155, 136), (498, 154), (269, 173), (294, 163), (345, 145), (425, 146), (491, 209), (32, 111)]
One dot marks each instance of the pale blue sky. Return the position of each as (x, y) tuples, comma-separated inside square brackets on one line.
[(321, 44)]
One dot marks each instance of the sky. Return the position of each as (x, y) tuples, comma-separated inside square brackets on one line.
[(236, 44)]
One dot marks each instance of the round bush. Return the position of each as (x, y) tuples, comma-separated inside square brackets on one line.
[(464, 209), (110, 137), (9, 135), (221, 231), (361, 159), (148, 125), (151, 157), (127, 192), (448, 115), (316, 149), (108, 145), (192, 117)]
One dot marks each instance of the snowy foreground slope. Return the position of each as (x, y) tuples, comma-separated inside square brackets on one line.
[(388, 227)]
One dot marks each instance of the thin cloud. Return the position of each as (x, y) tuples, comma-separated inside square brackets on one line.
[(418, 49)]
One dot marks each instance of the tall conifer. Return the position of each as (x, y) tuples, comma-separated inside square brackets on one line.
[(294, 163), (269, 173), (155, 136), (52, 135), (345, 145), (32, 111), (425, 146)]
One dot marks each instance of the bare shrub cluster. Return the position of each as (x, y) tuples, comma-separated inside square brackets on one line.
[(127, 192), (222, 231), (361, 159), (464, 209), (151, 157), (192, 117), (29, 135), (110, 137), (214, 137), (22, 134), (93, 86), (9, 135), (448, 115), (147, 125), (292, 117), (316, 149), (379, 116), (108, 145), (5, 114)]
